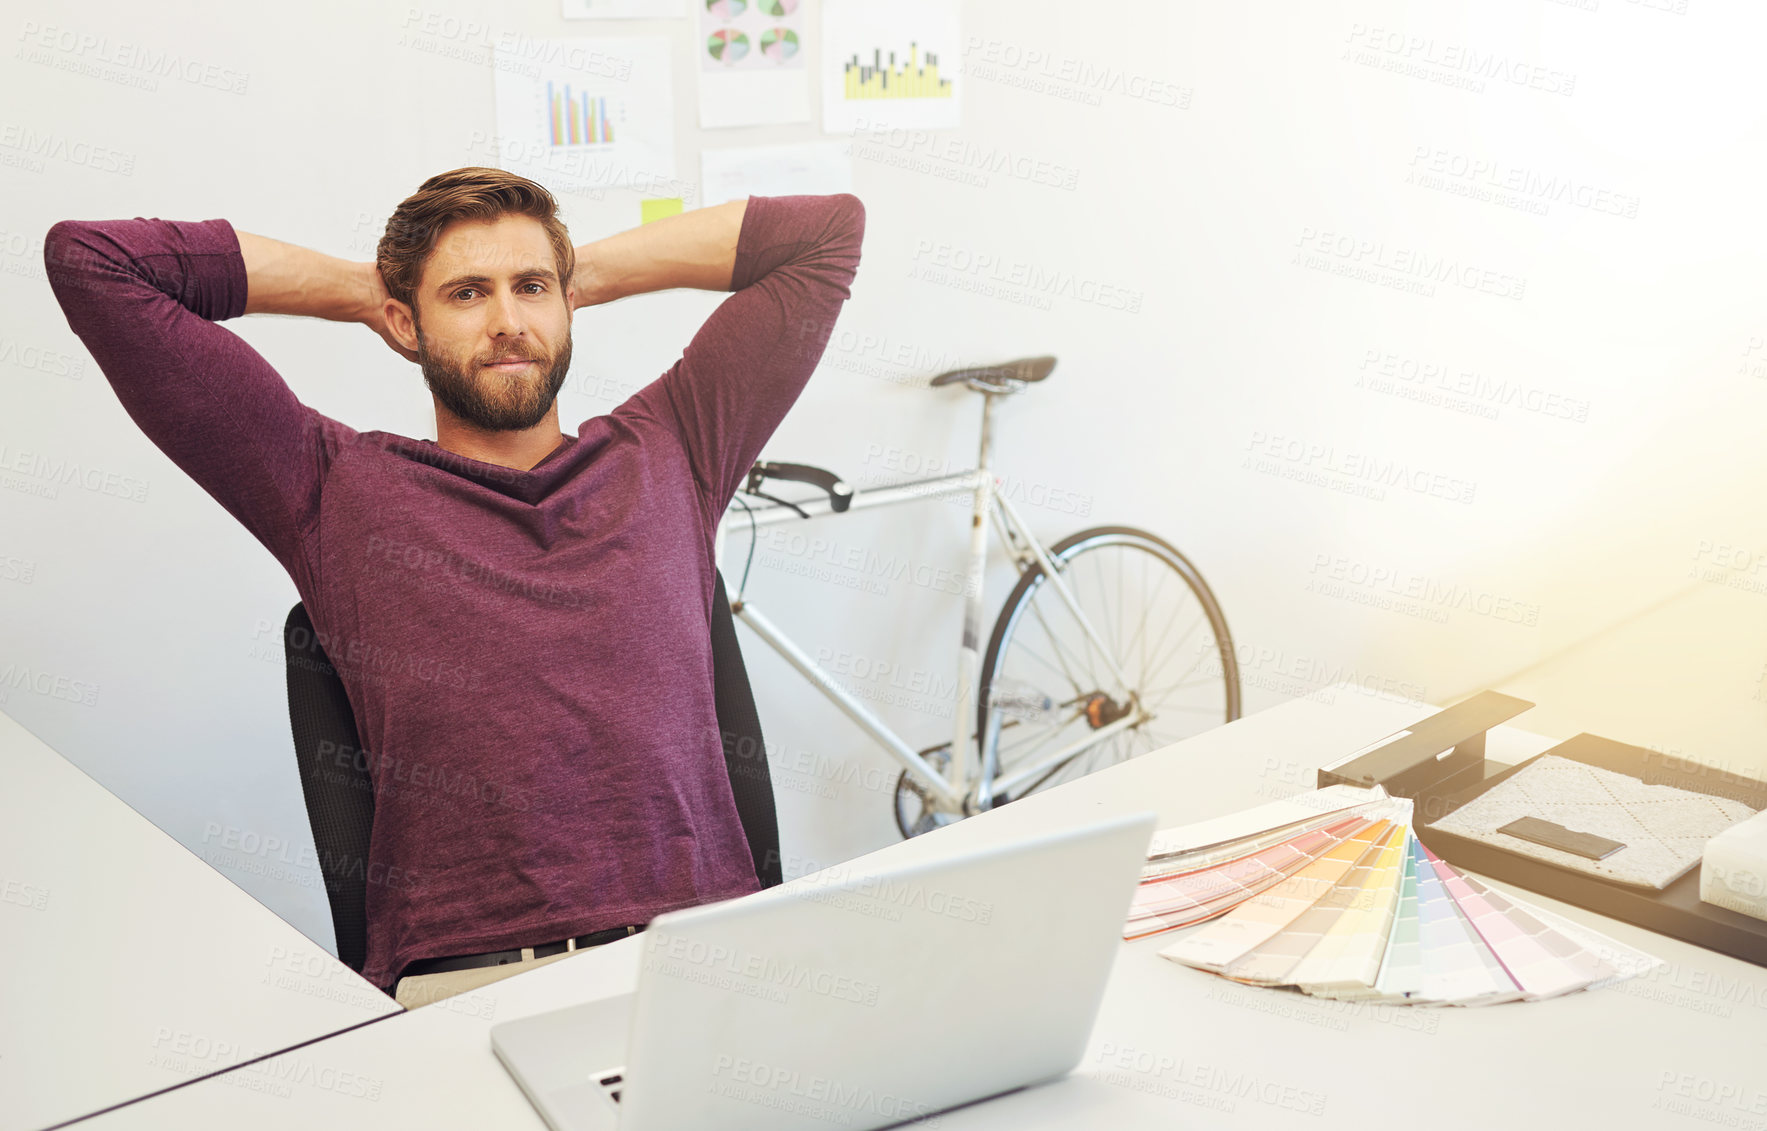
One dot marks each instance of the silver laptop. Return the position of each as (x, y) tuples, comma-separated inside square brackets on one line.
[(851, 999)]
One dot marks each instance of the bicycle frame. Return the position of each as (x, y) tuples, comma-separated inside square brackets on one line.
[(971, 786)]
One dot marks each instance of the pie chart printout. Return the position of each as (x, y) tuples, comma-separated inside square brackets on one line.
[(727, 46), (779, 44)]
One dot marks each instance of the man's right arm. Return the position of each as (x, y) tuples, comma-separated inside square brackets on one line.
[(146, 297)]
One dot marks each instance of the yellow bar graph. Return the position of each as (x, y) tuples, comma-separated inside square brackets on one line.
[(883, 78)]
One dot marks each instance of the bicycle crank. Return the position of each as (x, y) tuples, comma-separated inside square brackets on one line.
[(916, 810)]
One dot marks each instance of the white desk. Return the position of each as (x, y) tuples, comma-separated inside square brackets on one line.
[(1173, 1047), (127, 964)]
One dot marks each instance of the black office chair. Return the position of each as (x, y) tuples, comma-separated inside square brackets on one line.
[(340, 794)]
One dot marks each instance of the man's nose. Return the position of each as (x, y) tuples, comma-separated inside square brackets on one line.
[(506, 315)]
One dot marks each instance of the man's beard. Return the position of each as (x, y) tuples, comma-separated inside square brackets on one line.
[(495, 401)]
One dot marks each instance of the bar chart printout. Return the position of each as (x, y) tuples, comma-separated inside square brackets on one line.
[(576, 118), (581, 115), (895, 65), (883, 78)]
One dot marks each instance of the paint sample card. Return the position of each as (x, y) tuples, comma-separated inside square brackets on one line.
[(891, 65), (1350, 953), (1181, 900), (817, 168), (584, 115), (1354, 907), (751, 61)]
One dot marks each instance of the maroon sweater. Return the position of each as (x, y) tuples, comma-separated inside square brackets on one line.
[(527, 652)]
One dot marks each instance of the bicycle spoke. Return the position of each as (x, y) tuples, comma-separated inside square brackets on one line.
[(1129, 619), (1161, 643), (1140, 631), (1178, 646), (1187, 671), (1038, 613)]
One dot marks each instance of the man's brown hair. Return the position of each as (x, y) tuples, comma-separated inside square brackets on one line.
[(474, 192)]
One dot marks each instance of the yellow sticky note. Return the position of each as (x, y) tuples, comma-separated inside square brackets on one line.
[(657, 209)]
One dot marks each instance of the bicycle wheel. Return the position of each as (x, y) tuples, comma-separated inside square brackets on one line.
[(1046, 685)]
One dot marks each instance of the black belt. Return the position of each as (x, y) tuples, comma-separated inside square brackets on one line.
[(505, 957)]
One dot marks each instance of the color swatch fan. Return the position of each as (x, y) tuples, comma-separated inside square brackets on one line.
[(1332, 894)]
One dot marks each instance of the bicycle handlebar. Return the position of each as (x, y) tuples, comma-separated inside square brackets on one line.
[(840, 496)]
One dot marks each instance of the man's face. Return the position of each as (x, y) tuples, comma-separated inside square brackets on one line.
[(497, 347)]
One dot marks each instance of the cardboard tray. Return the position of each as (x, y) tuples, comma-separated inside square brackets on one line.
[(1676, 910)]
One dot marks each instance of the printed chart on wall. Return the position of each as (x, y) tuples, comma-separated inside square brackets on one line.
[(751, 63), (580, 115), (623, 9), (820, 168), (891, 64)]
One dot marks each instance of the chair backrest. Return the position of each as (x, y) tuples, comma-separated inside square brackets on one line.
[(340, 793)]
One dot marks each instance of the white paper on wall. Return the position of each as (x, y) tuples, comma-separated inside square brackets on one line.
[(751, 63), (817, 167)]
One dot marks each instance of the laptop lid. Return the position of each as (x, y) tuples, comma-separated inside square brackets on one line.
[(861, 999)]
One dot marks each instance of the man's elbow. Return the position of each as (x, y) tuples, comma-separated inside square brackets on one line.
[(67, 252), (846, 227), (851, 213)]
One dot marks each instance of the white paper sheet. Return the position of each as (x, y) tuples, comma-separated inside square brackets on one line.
[(817, 167)]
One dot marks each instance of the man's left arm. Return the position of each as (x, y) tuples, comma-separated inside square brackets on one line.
[(790, 261)]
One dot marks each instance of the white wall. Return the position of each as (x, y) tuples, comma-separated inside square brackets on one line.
[(1230, 411)]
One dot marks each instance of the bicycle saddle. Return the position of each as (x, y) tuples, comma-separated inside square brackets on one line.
[(1007, 377)]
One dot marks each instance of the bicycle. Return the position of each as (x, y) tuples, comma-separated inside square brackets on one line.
[(1039, 720)]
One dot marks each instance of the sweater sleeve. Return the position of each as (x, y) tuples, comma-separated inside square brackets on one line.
[(144, 295), (795, 259)]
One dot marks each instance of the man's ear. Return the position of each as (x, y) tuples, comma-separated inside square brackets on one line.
[(400, 323)]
